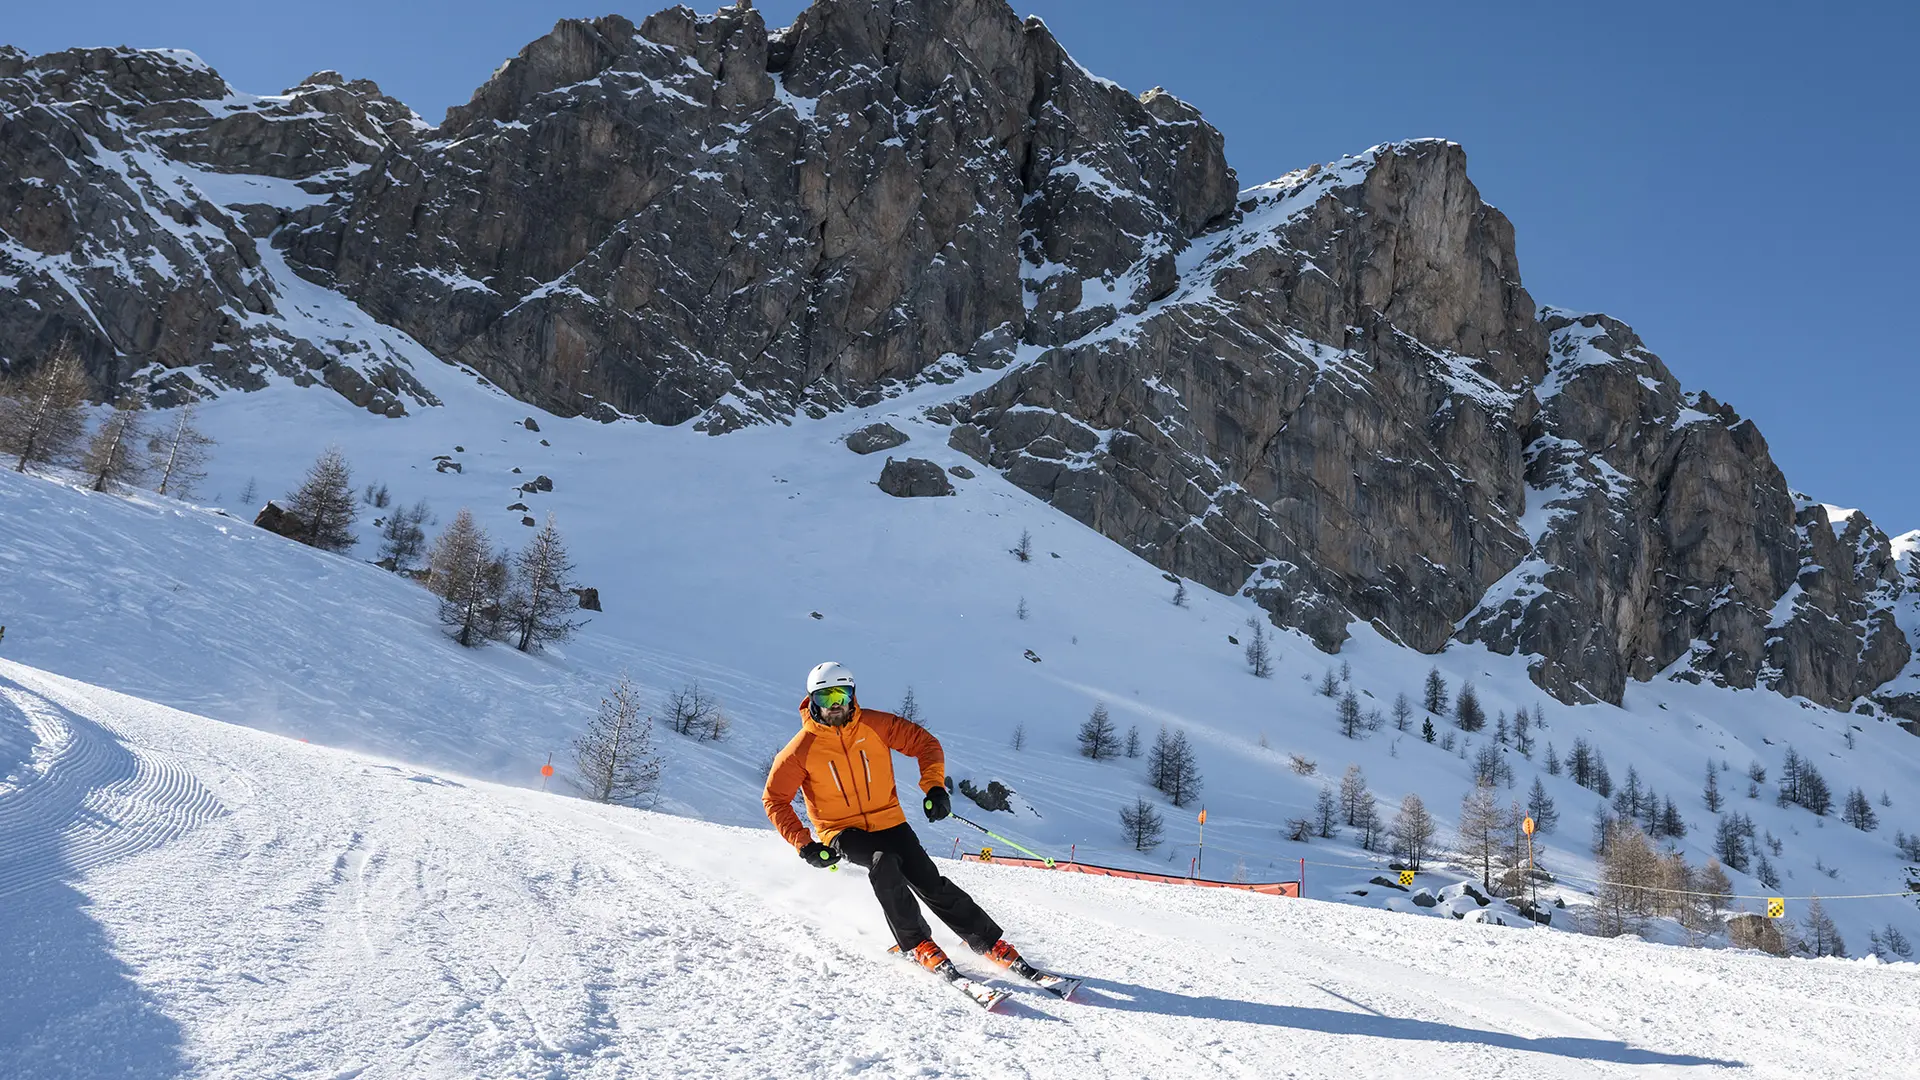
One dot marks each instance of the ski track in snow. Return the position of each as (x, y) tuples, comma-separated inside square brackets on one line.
[(293, 910)]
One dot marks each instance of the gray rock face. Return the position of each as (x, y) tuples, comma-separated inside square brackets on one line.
[(914, 478), (1667, 536), (1331, 392), (120, 236), (690, 218), (874, 438), (1269, 415)]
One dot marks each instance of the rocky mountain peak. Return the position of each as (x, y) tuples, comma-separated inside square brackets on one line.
[(1331, 392)]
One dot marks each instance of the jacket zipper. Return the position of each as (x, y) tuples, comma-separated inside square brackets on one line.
[(832, 768), (867, 765)]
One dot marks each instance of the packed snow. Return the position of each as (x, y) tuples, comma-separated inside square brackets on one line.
[(190, 897)]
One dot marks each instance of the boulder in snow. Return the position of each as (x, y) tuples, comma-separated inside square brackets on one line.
[(874, 437), (914, 478)]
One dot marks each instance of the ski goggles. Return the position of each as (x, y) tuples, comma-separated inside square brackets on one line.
[(828, 696)]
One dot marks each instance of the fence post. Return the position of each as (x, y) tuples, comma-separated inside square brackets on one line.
[(1303, 878)]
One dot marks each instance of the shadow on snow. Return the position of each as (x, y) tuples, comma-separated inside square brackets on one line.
[(1131, 998), (68, 1006)]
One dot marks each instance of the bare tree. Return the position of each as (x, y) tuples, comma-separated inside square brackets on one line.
[(542, 593), (1329, 685), (1019, 739), (324, 503), (1482, 824), (180, 453), (1172, 769), (1326, 812), (1133, 741), (1467, 711), (692, 711), (1021, 612), (1711, 793), (1412, 831), (403, 535), (615, 758), (1890, 944), (1630, 873), (1540, 807), (1366, 822), (1098, 738), (1024, 549), (1402, 712), (1859, 813), (910, 708), (1259, 652), (43, 413), (468, 577), (1354, 796), (1821, 937), (1141, 825), (113, 456), (1180, 594), (1351, 721)]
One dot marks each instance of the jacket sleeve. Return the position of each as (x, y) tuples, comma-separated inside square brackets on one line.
[(914, 741), (783, 781)]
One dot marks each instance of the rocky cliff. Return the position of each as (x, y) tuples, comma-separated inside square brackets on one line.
[(1332, 391)]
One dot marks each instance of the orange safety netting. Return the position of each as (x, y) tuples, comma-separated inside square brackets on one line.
[(1270, 888)]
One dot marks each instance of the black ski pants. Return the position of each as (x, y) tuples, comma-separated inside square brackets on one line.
[(901, 869)]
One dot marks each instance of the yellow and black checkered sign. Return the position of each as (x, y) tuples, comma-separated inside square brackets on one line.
[(1776, 907), (986, 854), (1406, 877)]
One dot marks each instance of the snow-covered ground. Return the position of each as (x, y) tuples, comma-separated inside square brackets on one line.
[(188, 897)]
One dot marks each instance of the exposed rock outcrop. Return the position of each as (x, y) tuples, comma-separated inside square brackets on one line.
[(1331, 392), (914, 478)]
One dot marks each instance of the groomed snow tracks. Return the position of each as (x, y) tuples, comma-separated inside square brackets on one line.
[(88, 799)]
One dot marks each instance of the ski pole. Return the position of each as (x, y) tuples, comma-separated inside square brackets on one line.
[(1003, 839)]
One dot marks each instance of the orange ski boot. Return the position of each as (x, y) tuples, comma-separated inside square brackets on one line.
[(930, 956), (1004, 954)]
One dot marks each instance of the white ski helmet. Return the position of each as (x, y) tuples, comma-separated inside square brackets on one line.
[(828, 674)]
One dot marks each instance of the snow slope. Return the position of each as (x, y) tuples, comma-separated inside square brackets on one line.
[(712, 553), (186, 897)]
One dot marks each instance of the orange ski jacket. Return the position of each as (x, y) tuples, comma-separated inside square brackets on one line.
[(845, 774)]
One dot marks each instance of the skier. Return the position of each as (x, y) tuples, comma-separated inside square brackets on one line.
[(841, 762)]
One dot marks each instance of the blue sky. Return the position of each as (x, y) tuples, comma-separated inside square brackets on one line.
[(1736, 180)]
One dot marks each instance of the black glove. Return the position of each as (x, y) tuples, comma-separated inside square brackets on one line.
[(937, 804), (819, 854)]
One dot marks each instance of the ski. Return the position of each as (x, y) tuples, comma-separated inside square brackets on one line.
[(984, 996), (1061, 986)]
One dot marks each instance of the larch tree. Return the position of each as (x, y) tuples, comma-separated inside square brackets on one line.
[(1141, 825), (1820, 937), (1348, 711), (325, 504), (1540, 807), (1467, 711), (1259, 652), (542, 594), (466, 575), (1099, 739), (615, 758), (403, 535), (1326, 812), (1411, 832), (1483, 825), (180, 453), (43, 413), (113, 458), (1354, 794)]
